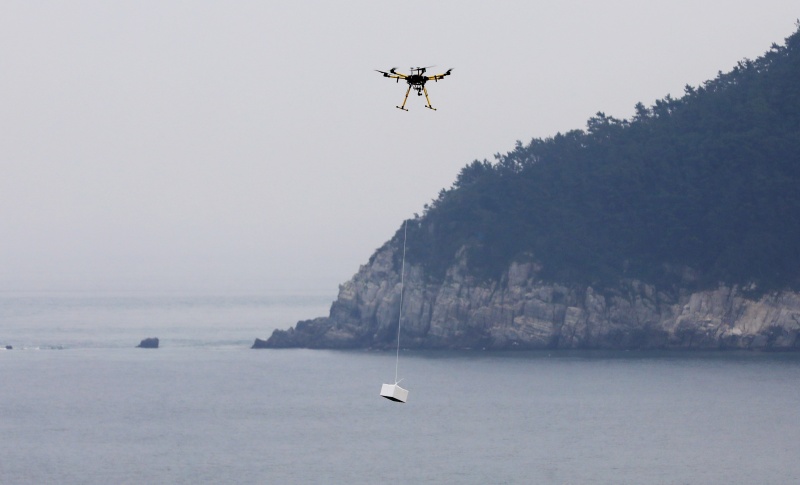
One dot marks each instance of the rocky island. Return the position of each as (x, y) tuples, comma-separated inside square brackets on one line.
[(148, 343)]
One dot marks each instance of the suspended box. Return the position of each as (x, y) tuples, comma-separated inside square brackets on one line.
[(394, 392)]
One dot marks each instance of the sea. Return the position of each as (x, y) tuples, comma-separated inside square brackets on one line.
[(80, 404)]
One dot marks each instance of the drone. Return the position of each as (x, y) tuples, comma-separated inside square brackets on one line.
[(415, 80)]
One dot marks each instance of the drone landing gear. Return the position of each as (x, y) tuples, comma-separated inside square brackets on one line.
[(403, 106), (420, 90), (427, 99)]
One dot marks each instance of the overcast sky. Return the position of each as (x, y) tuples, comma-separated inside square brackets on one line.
[(250, 146)]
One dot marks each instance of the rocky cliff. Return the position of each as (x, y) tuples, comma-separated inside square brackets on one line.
[(520, 311)]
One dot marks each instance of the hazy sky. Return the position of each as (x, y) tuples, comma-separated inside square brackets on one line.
[(249, 146)]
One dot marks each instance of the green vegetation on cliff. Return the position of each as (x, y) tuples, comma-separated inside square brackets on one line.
[(709, 181)]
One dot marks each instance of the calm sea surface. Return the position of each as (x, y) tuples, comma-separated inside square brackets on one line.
[(80, 404)]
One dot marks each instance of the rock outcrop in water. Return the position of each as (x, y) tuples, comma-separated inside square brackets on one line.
[(523, 312), (148, 343)]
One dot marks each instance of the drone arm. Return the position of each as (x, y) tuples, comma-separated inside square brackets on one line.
[(396, 76), (436, 77), (392, 74)]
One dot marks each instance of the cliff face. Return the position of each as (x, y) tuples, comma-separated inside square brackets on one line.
[(522, 312)]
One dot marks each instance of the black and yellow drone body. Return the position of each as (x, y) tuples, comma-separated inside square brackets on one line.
[(416, 80)]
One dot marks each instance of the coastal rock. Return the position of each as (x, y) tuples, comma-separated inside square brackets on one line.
[(148, 343), (520, 311), (259, 344)]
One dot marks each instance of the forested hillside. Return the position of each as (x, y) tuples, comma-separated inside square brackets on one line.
[(696, 190)]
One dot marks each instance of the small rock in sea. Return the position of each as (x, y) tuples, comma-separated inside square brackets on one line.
[(148, 343), (8, 347)]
